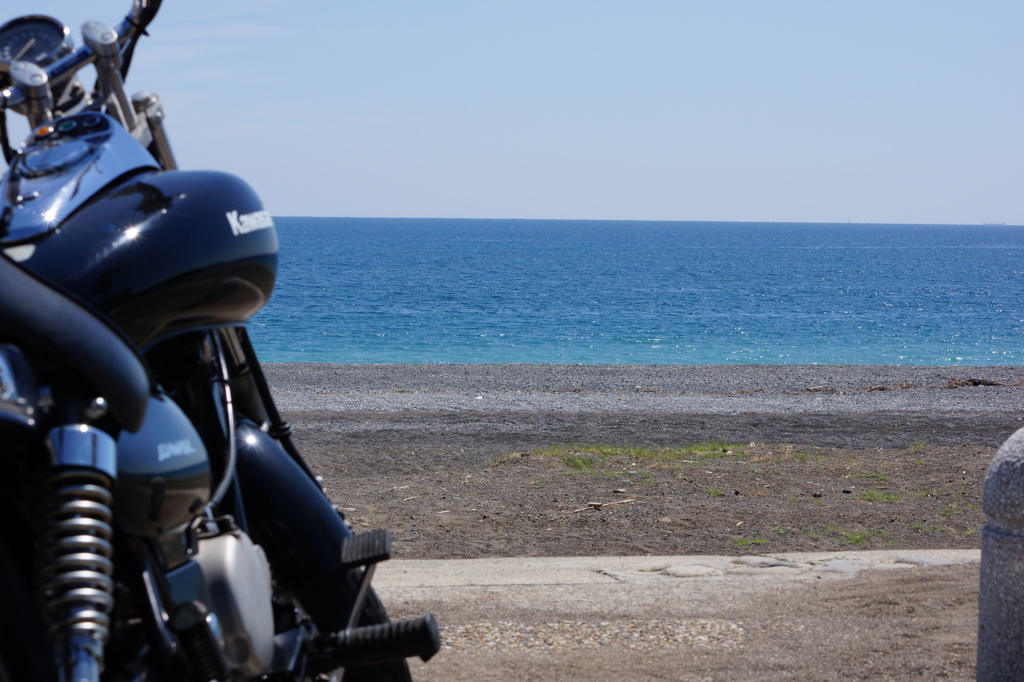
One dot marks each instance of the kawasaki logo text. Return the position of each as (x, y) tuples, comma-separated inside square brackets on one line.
[(250, 222)]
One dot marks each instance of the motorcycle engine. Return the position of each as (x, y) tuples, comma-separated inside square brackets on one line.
[(237, 575)]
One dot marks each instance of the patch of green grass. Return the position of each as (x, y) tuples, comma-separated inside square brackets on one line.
[(850, 537), (859, 537), (714, 492), (780, 530), (879, 477), (922, 526), (578, 462), (950, 511), (918, 446), (712, 449), (879, 496)]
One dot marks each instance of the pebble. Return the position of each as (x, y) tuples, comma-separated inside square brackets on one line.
[(642, 635)]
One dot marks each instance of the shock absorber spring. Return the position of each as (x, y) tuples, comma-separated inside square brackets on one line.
[(74, 552)]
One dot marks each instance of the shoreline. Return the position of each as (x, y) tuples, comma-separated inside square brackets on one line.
[(655, 389), (494, 407), (678, 378)]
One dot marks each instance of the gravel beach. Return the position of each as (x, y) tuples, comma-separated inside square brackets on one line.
[(480, 462), (692, 389), (840, 405)]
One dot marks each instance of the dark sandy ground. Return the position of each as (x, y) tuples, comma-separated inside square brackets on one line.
[(484, 461)]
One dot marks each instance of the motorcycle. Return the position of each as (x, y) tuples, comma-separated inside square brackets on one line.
[(159, 523)]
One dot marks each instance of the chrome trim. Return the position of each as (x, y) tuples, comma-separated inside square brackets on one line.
[(66, 66), (74, 569), (37, 199), (10, 391), (81, 445), (60, 70), (151, 107), (46, 159), (35, 82), (102, 40), (19, 397)]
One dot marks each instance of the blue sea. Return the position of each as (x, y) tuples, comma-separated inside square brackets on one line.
[(359, 290)]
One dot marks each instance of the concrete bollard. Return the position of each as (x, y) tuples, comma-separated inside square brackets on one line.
[(1001, 597)]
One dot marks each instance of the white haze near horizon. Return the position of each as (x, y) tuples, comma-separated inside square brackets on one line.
[(745, 110)]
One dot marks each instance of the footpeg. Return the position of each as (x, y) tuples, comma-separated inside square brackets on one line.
[(365, 549), (373, 644)]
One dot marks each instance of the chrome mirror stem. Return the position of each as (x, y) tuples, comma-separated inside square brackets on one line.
[(102, 40), (35, 85)]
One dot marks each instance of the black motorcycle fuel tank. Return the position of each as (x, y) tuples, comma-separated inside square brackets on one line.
[(164, 251)]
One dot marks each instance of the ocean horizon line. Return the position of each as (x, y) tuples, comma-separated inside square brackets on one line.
[(659, 220)]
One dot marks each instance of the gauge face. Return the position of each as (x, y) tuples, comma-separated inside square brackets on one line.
[(35, 39)]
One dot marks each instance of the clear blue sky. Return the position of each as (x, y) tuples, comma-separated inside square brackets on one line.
[(751, 110)]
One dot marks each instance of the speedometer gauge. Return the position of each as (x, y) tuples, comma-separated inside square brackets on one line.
[(38, 39)]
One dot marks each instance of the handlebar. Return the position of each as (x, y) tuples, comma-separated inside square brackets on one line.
[(63, 68), (133, 24)]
